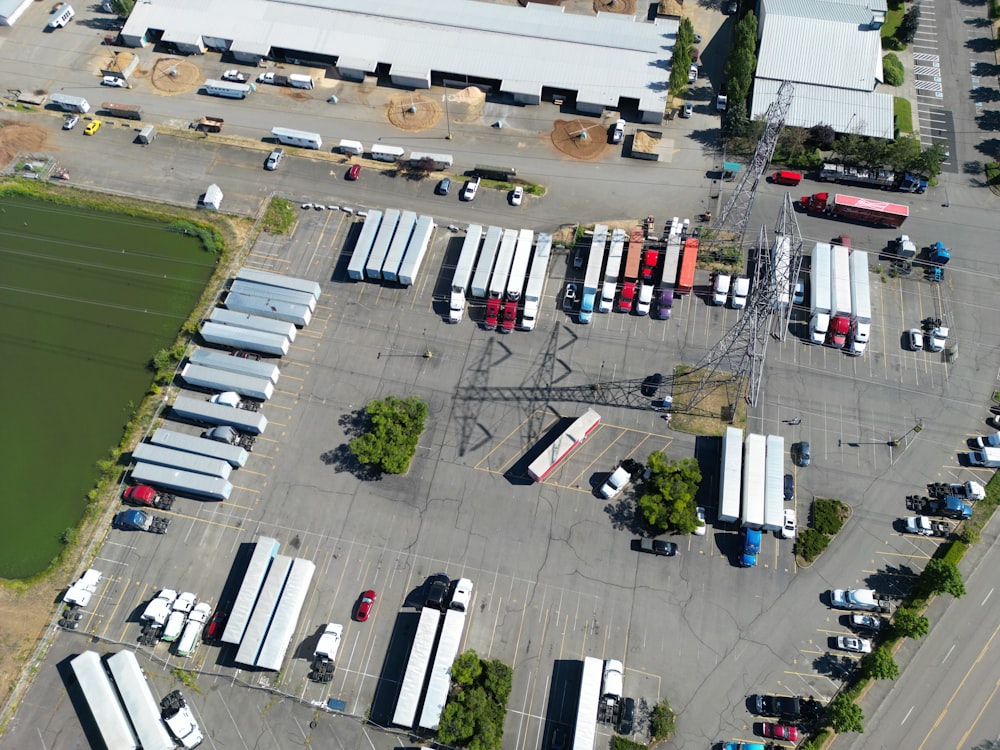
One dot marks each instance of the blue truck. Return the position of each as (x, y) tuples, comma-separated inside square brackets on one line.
[(948, 506), (751, 547), (140, 520)]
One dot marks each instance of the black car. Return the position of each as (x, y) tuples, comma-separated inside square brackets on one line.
[(789, 487), (777, 706), (657, 547), (558, 739), (651, 384), (628, 716), (437, 590)]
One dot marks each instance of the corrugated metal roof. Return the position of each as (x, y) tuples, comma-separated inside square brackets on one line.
[(863, 112), (610, 56), (827, 53), (843, 11), (9, 8)]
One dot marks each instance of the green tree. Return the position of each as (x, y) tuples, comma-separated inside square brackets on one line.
[(393, 431), (668, 499), (497, 677), (907, 30), (893, 70), (810, 544), (845, 715), (942, 577), (466, 668), (874, 152), (822, 136), (122, 7), (735, 123), (680, 63), (847, 146), (662, 721), (908, 624), (742, 60), (904, 154), (879, 665), (929, 163)]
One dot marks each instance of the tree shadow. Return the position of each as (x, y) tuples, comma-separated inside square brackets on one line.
[(834, 666), (341, 459), (984, 94), (354, 423), (990, 148), (623, 516), (981, 45), (893, 580)]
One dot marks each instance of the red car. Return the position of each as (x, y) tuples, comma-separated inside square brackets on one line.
[(780, 732), (215, 626), (353, 172), (365, 606)]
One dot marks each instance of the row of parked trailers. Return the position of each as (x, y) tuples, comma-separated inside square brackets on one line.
[(263, 616), (391, 246), (124, 711), (752, 471)]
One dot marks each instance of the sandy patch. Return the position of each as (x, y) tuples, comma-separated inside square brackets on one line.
[(581, 139)]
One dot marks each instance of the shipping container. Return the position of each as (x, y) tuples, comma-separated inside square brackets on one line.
[(224, 380), (244, 338), (300, 315), (234, 455), (251, 322), (105, 708), (286, 616), (279, 280), (203, 411), (397, 248), (179, 459), (265, 548), (363, 247), (184, 482), (263, 611), (140, 705), (373, 270), (272, 292), (226, 361), (484, 268), (416, 250)]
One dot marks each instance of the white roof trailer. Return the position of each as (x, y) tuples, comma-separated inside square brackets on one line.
[(234, 455), (670, 261), (279, 280), (253, 322), (373, 269), (278, 309), (508, 244), (861, 301), (618, 237), (440, 680), (536, 280), (141, 706), (586, 709), (273, 292), (228, 89), (820, 281), (463, 272), (363, 247), (300, 138), (416, 668), (265, 548), (484, 269), (754, 464), (157, 454), (263, 611), (731, 475), (397, 248), (416, 250), (519, 268), (774, 484), (205, 412), (223, 361), (841, 280), (237, 337), (286, 616), (109, 716), (224, 380), (185, 482)]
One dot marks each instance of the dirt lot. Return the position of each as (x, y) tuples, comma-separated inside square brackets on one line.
[(581, 139), (16, 137)]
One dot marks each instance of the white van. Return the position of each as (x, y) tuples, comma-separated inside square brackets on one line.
[(741, 288), (61, 16), (462, 597), (720, 289)]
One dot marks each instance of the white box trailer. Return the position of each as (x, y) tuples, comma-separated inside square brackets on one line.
[(279, 280), (435, 161), (484, 268), (178, 459), (373, 269), (537, 277), (205, 412), (223, 361), (754, 474), (820, 288), (237, 337), (68, 103), (140, 705), (731, 475), (586, 707), (300, 138), (105, 708), (841, 281), (861, 302), (286, 615), (671, 260), (273, 292), (252, 322), (363, 247), (263, 610), (416, 668), (386, 153), (608, 291), (774, 484), (353, 148), (233, 455), (519, 267), (416, 250), (228, 89), (440, 678), (463, 272), (505, 257), (397, 248), (265, 549), (185, 482), (278, 309), (225, 380)]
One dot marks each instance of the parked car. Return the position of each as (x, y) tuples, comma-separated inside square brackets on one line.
[(854, 644), (720, 288), (92, 128), (788, 527), (799, 295), (114, 82), (444, 186), (617, 481), (569, 298), (657, 547), (915, 338), (274, 159), (71, 122), (687, 109), (471, 188), (866, 623), (702, 526), (618, 131), (651, 384), (354, 172), (743, 746), (213, 631), (780, 731), (516, 196), (437, 590), (625, 724), (234, 75), (802, 453), (365, 604), (789, 487)]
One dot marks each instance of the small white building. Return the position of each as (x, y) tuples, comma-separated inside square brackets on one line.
[(212, 198)]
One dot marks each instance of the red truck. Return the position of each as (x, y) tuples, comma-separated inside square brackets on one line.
[(492, 313), (509, 316), (649, 259), (689, 260), (870, 211), (633, 260), (146, 497)]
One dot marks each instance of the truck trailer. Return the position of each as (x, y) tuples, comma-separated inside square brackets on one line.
[(265, 549), (689, 262), (250, 321), (290, 312), (612, 271), (102, 700), (203, 411), (227, 89), (212, 379), (861, 304), (300, 138), (416, 250), (731, 475), (280, 280), (517, 279), (252, 288), (363, 247), (463, 272), (124, 111), (630, 277), (184, 482), (236, 337), (67, 103), (883, 179), (234, 455), (484, 268), (178, 459), (880, 213), (585, 728), (774, 477), (820, 288), (536, 280), (397, 248), (592, 277), (386, 230), (226, 361), (138, 700), (501, 272), (754, 478), (416, 668), (439, 682)]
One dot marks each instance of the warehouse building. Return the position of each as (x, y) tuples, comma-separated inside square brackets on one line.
[(607, 61), (832, 51)]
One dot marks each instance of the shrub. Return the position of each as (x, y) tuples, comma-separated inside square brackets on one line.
[(810, 544), (393, 431), (663, 722), (828, 515), (893, 69)]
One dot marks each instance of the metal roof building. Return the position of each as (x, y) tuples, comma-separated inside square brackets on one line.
[(602, 59), (832, 51)]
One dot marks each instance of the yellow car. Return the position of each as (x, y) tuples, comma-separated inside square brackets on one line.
[(92, 127)]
